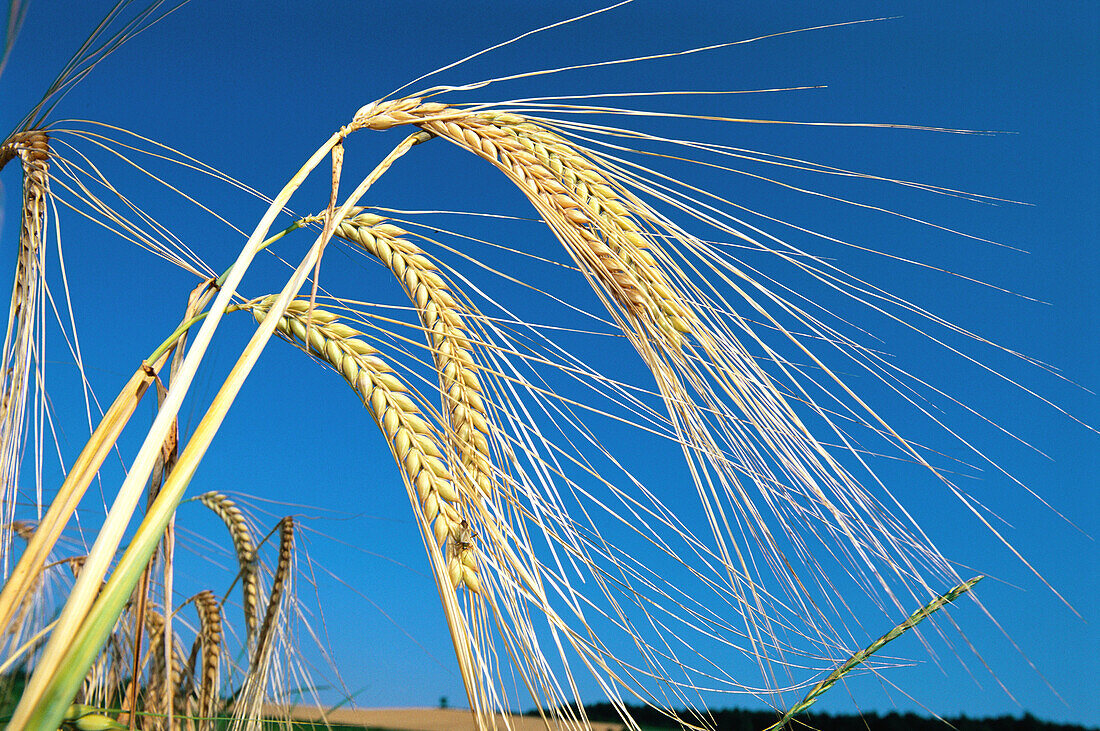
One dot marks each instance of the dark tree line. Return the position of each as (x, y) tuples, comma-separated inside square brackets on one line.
[(736, 719)]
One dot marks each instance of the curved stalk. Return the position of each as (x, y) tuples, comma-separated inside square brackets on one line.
[(72, 490)]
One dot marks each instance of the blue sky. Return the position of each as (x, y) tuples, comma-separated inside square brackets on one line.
[(253, 89)]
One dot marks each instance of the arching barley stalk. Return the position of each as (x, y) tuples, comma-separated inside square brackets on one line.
[(563, 572), (733, 417), (412, 439)]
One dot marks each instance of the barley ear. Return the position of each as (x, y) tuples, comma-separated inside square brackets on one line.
[(164, 677), (412, 440), (442, 317), (279, 583), (857, 659), (597, 226), (245, 548), (33, 150), (598, 223), (210, 638), (253, 692)]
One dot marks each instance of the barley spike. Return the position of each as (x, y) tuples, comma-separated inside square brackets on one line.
[(410, 437), (245, 547)]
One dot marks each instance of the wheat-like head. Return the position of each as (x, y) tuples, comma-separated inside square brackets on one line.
[(210, 640), (410, 437), (441, 316), (736, 419), (253, 691), (33, 151), (279, 581), (245, 548), (597, 223)]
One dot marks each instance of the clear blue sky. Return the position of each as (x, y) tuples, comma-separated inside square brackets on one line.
[(253, 88)]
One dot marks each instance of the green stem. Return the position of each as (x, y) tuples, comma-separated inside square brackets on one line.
[(266, 243), (185, 326)]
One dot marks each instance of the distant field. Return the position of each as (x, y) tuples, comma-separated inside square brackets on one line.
[(432, 719), (421, 719)]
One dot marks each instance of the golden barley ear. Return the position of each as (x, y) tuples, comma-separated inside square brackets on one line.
[(442, 317), (279, 581), (209, 640), (411, 438), (597, 223), (253, 692), (200, 684)]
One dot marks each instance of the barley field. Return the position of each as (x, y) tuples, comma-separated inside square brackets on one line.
[(531, 356)]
